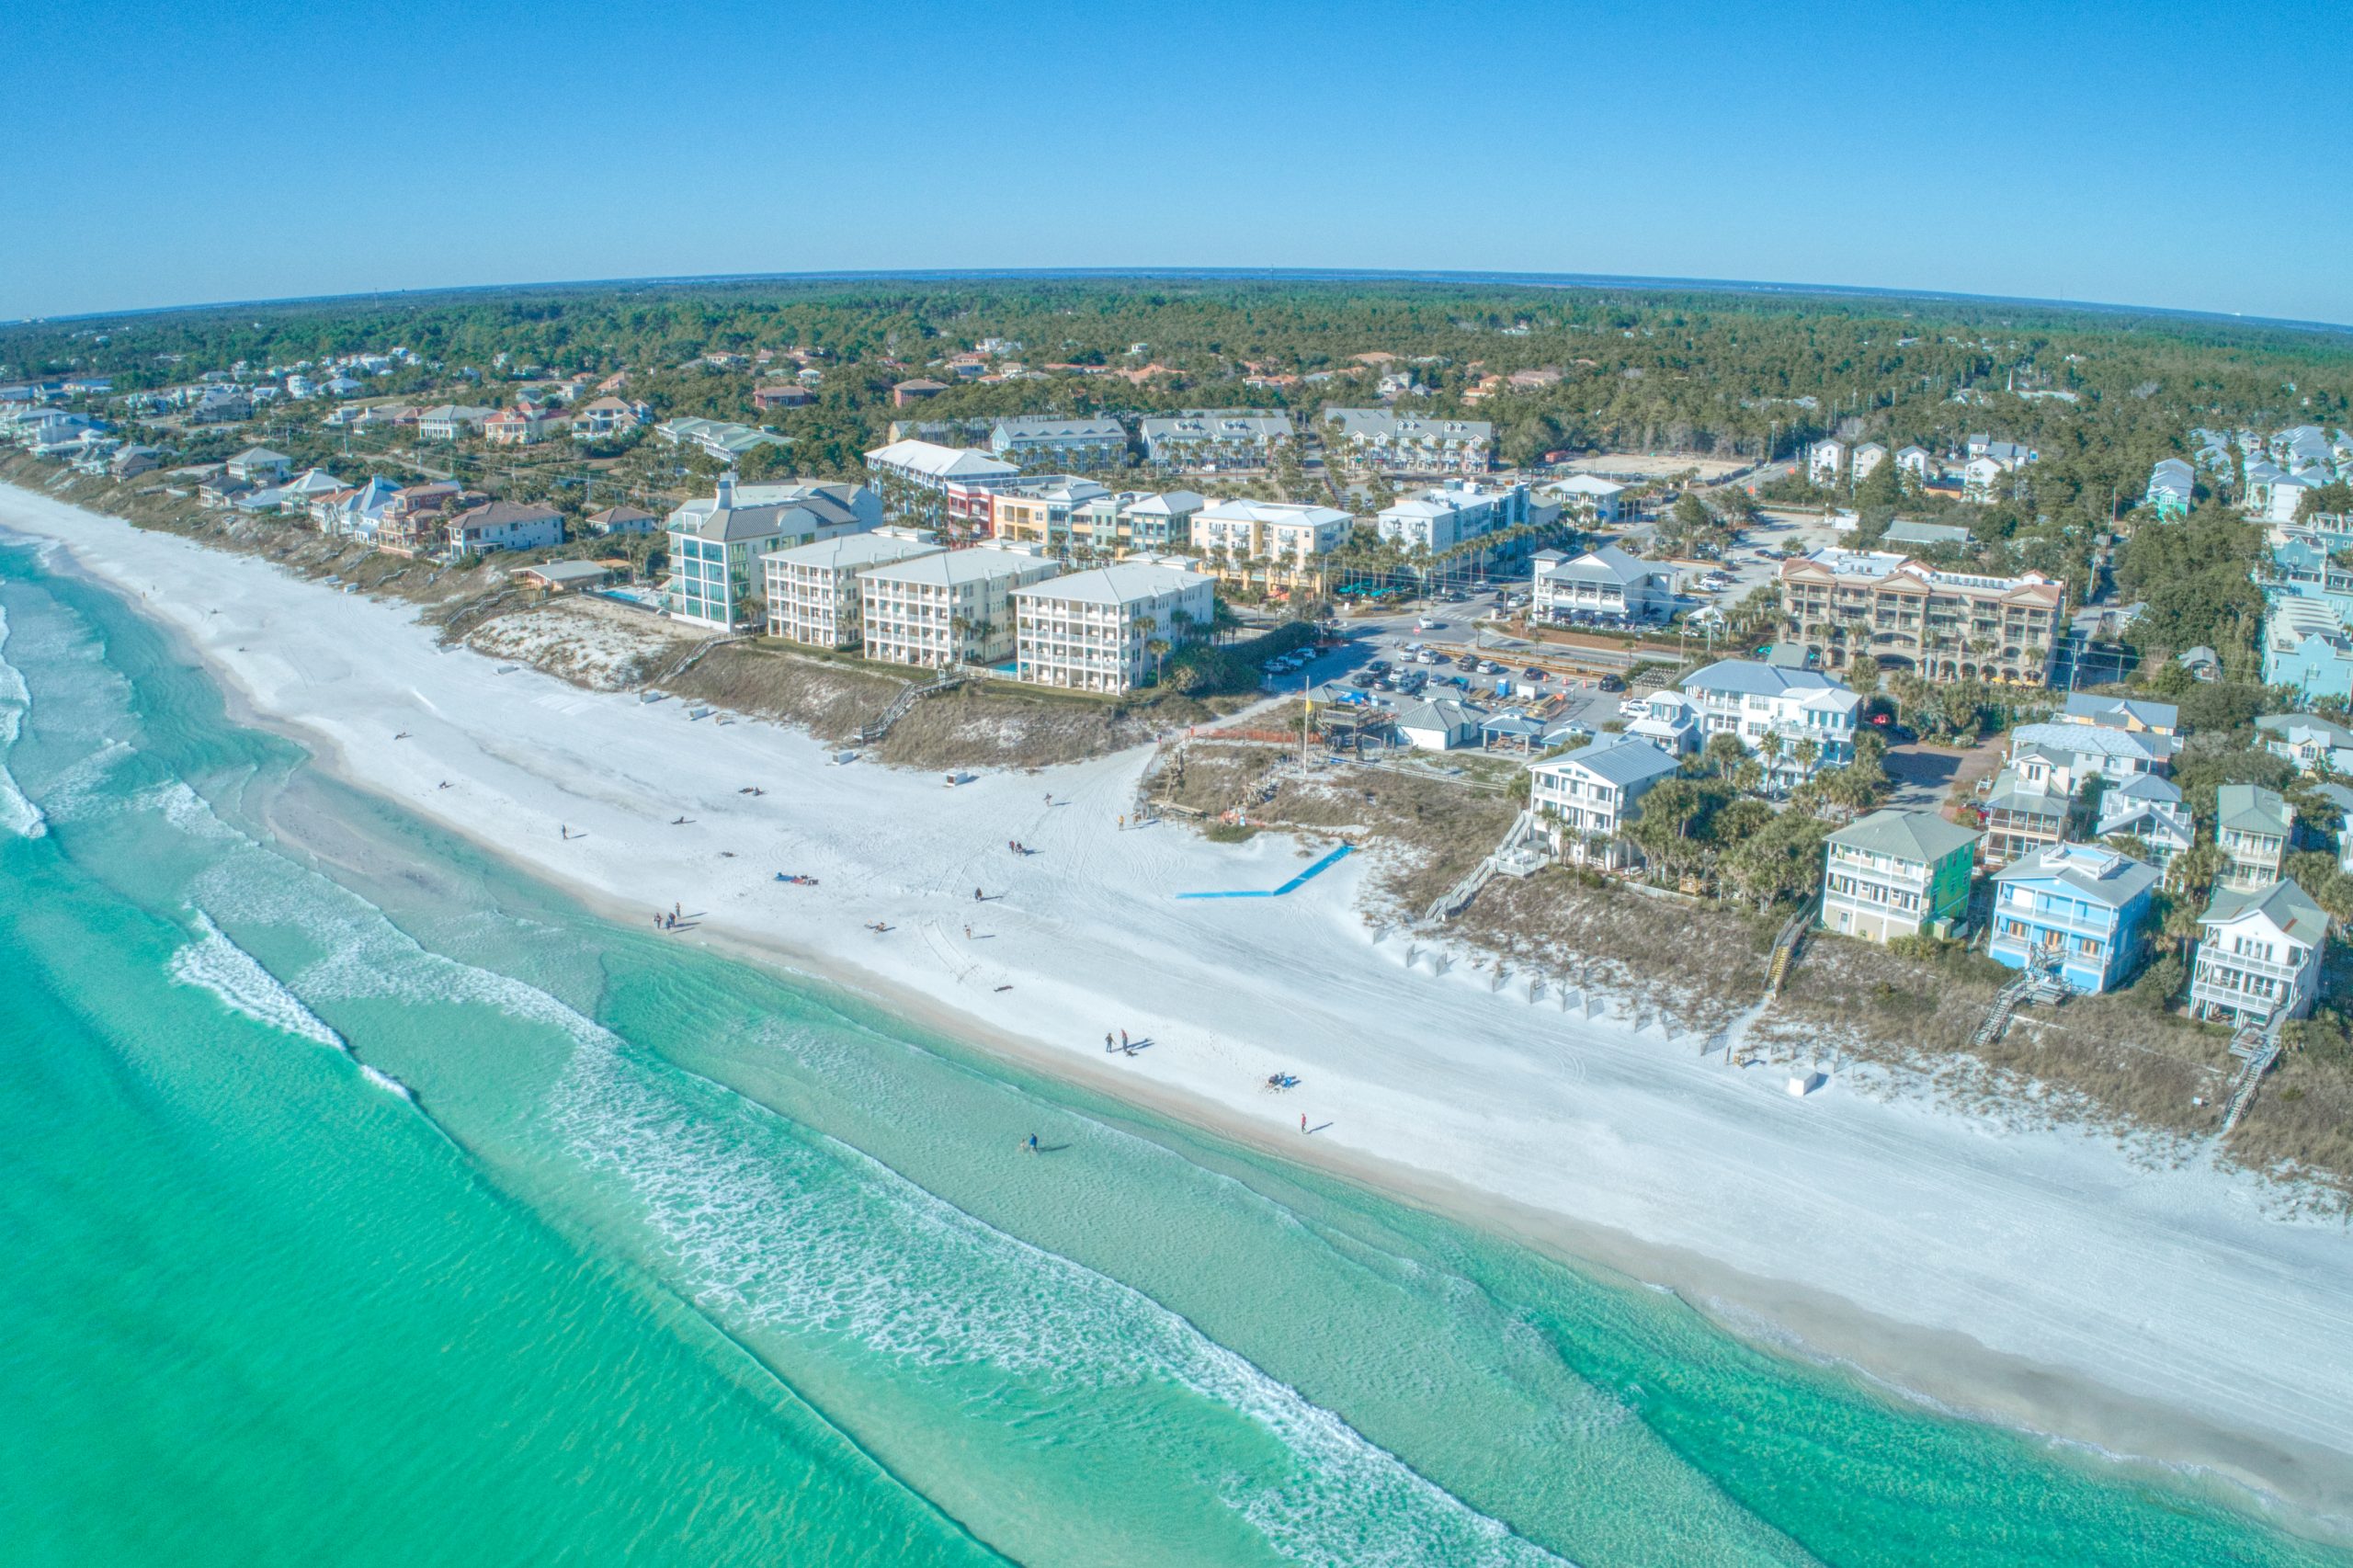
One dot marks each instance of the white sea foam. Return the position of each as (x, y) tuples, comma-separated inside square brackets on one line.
[(18, 815), (386, 1081), (215, 963), (815, 1237)]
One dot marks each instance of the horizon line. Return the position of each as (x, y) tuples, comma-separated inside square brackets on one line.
[(1561, 280)]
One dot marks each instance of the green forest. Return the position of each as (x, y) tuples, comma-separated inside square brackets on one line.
[(1725, 373)]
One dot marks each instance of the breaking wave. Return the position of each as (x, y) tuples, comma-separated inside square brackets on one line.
[(212, 962), (780, 1230), (18, 815)]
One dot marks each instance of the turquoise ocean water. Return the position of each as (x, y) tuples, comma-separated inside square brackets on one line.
[(364, 1202)]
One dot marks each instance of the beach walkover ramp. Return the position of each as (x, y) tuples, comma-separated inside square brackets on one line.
[(1291, 886)]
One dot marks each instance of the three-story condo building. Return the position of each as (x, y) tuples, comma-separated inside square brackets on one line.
[(1107, 630), (813, 590), (2077, 911), (1896, 873), (951, 608), (2258, 955)]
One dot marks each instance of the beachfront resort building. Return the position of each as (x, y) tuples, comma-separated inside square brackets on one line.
[(1896, 873), (1848, 605), (2075, 911), (2252, 827), (1586, 797), (1107, 630), (813, 589), (2258, 955), (1216, 440), (1600, 585), (1275, 545), (1794, 722), (955, 608), (1375, 440), (715, 545)]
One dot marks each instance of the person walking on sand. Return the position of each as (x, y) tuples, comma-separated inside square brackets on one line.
[(968, 930), (1303, 1122), (1123, 1040), (1033, 1142), (1107, 1042)]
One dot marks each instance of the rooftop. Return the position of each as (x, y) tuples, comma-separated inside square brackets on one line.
[(1921, 836), (1122, 583)]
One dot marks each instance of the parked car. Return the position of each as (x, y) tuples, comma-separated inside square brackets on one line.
[(1611, 683), (1533, 672)]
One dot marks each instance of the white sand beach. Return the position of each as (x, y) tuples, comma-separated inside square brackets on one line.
[(2037, 1277)]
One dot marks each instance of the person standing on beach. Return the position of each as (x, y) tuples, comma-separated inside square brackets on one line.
[(1123, 1040), (1303, 1122)]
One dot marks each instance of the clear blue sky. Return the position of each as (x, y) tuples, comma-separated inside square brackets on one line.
[(2153, 154)]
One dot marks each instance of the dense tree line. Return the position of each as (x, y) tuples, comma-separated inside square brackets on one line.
[(1658, 369)]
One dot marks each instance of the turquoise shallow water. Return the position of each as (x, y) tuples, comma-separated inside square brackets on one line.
[(364, 1201)]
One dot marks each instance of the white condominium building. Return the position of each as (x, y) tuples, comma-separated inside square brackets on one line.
[(950, 608), (1094, 630), (813, 592), (1276, 541)]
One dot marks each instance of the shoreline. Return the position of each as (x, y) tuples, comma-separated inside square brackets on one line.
[(1965, 1375)]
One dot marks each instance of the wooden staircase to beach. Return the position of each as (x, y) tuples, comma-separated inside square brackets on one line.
[(901, 705), (2257, 1047)]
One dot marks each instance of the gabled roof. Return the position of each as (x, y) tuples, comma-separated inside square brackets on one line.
[(2285, 904), (853, 550), (1625, 762), (1168, 504), (1608, 565), (1751, 678), (2096, 740), (940, 462), (1906, 835), (1122, 583), (2248, 808)]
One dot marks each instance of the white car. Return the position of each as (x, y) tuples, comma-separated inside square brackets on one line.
[(1634, 708)]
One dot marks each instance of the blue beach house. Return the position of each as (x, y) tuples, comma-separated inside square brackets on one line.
[(2079, 909)]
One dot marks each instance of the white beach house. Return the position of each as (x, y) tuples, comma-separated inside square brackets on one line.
[(1585, 796), (2258, 955)]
